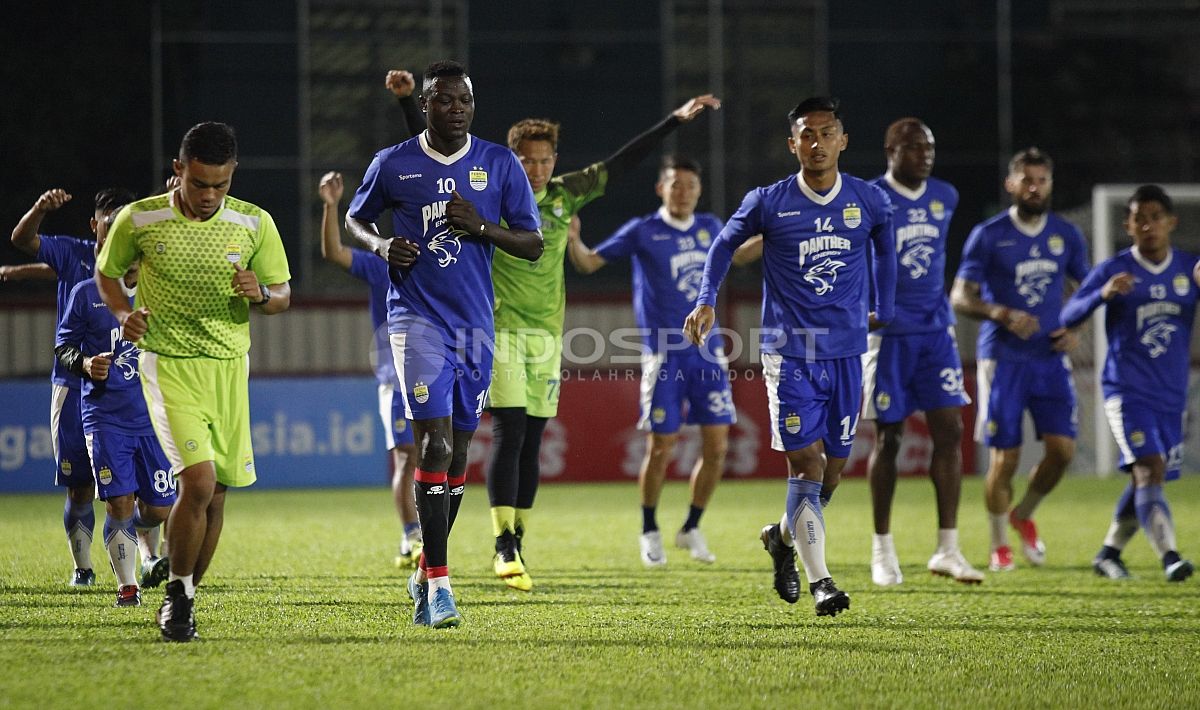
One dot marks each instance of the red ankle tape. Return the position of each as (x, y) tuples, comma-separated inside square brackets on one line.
[(455, 481), (435, 572)]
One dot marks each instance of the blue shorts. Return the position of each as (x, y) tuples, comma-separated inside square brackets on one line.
[(72, 468), (396, 429), (127, 464), (903, 374), (1007, 389), (813, 401), (441, 381), (670, 379), (1141, 431)]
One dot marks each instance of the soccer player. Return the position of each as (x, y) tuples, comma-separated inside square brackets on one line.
[(124, 451), (72, 260), (1017, 271), (205, 259), (397, 431), (440, 302), (818, 228), (1149, 292), (530, 302), (913, 363), (668, 249)]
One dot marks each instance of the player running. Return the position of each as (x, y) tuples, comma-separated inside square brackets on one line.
[(1149, 294), (205, 259), (1018, 269), (440, 303), (912, 364), (668, 249), (818, 228)]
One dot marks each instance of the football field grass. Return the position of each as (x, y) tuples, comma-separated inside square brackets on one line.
[(302, 608)]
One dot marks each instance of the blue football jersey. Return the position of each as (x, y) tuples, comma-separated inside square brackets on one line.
[(115, 404), (1149, 330), (815, 270), (450, 284), (73, 260), (1026, 269), (374, 270), (922, 220), (668, 265)]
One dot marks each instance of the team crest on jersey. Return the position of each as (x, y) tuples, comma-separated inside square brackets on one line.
[(421, 393), (823, 275), (1056, 244), (883, 400), (1157, 338), (105, 475), (191, 445), (557, 209), (792, 423), (1138, 439), (446, 246), (852, 217), (233, 253), (917, 260), (658, 414), (66, 467), (704, 238), (400, 425), (1180, 282), (478, 179), (937, 209), (159, 247)]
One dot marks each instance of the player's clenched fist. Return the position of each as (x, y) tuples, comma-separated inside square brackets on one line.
[(133, 325), (96, 366), (52, 200)]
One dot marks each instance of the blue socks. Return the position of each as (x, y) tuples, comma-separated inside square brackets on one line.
[(1155, 519)]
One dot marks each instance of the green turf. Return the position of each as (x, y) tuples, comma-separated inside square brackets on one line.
[(303, 609)]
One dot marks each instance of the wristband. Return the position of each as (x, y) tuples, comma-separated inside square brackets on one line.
[(266, 294), (483, 229)]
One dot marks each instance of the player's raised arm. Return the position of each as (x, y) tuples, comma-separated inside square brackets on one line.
[(25, 234), (629, 155), (332, 249), (521, 243), (402, 84)]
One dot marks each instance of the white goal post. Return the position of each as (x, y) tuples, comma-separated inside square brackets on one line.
[(1108, 237)]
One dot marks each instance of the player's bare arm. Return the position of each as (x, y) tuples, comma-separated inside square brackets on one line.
[(25, 234), (1119, 285), (271, 299), (967, 301), (28, 272), (398, 252), (331, 189), (521, 243), (133, 323), (696, 106), (749, 252), (584, 259)]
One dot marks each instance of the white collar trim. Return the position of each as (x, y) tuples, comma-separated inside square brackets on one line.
[(130, 292), (1029, 231), (682, 225), (906, 192), (443, 159), (813, 196), (1150, 266)]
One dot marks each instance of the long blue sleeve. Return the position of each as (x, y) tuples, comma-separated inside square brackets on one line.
[(883, 239), (744, 223), (1086, 299)]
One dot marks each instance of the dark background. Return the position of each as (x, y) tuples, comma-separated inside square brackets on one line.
[(1110, 90)]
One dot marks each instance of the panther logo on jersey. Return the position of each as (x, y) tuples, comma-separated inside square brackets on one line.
[(127, 363), (689, 283), (1157, 338), (1033, 288), (917, 260), (446, 246), (824, 275)]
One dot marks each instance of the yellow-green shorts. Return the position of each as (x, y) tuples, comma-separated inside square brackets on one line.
[(527, 371), (200, 408)]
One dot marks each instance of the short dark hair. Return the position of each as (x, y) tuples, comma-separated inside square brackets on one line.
[(1030, 156), (111, 199), (678, 161), (815, 103), (1151, 193), (441, 69), (210, 143), (901, 126)]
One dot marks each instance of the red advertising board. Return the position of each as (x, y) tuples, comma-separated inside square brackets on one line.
[(594, 437)]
